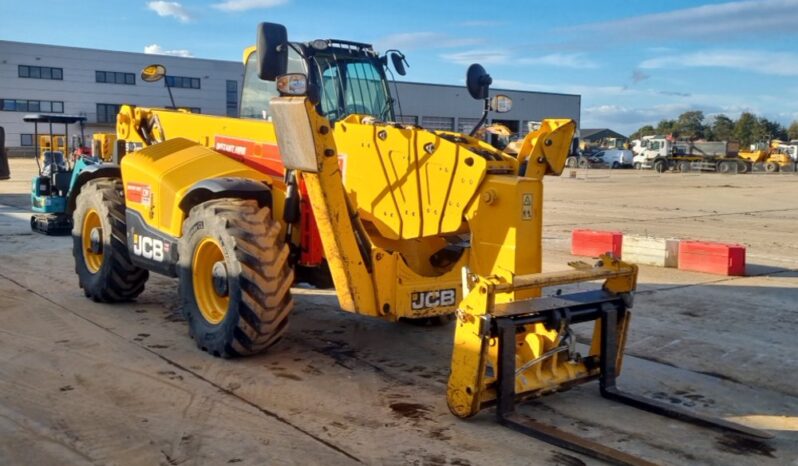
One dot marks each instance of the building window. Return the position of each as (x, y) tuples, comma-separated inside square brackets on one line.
[(25, 140), (106, 113), (115, 77), (182, 82), (41, 72), (232, 98), (466, 125), (21, 105), (441, 123)]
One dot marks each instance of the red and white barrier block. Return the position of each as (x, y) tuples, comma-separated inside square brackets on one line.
[(593, 243), (697, 256), (661, 252), (712, 257)]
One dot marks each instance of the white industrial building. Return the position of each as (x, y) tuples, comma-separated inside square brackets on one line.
[(36, 78)]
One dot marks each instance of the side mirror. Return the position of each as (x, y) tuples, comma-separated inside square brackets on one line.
[(153, 73), (398, 63), (501, 103), (478, 81), (272, 51)]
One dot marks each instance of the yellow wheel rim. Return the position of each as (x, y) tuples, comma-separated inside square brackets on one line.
[(211, 303), (93, 260)]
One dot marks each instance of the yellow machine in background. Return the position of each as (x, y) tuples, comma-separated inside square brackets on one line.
[(777, 156), (56, 143), (409, 223), (102, 146)]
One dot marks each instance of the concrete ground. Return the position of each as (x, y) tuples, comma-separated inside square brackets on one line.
[(87, 383)]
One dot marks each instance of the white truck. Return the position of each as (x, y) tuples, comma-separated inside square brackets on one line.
[(663, 154)]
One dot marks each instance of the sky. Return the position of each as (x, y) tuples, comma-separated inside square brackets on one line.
[(633, 63)]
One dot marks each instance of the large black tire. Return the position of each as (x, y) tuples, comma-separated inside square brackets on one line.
[(253, 271), (660, 166), (111, 277), (771, 167)]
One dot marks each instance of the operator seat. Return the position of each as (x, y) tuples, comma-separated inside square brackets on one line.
[(54, 162)]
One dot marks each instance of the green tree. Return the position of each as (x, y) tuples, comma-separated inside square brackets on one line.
[(746, 129), (792, 131), (690, 125), (722, 128), (646, 130), (771, 130), (665, 127)]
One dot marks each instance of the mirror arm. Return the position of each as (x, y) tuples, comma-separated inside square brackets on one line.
[(481, 120)]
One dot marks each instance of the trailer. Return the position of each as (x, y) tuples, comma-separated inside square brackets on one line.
[(663, 154)]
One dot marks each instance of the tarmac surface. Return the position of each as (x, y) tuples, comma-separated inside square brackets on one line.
[(88, 383)]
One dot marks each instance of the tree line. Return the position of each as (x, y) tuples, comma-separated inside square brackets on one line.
[(746, 130)]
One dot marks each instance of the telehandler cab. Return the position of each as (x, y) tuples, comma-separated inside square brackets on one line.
[(317, 180)]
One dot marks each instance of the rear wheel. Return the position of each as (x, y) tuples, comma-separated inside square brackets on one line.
[(235, 280), (583, 163), (616, 165), (659, 166), (99, 244), (725, 167), (570, 162), (684, 167)]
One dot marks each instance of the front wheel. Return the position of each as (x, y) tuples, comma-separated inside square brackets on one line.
[(771, 167), (99, 244), (235, 279), (570, 162)]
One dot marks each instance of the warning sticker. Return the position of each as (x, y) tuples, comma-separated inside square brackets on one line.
[(139, 193), (526, 206)]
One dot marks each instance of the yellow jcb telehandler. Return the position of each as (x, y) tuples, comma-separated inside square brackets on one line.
[(316, 180)]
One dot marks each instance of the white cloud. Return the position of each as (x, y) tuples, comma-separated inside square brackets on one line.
[(484, 56), (416, 40), (755, 61), (480, 23), (565, 88), (562, 60), (723, 20), (155, 49), (244, 5), (170, 9), (504, 57)]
